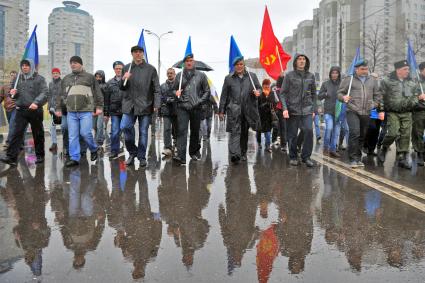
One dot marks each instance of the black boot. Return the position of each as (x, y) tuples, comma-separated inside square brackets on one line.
[(381, 154), (404, 162)]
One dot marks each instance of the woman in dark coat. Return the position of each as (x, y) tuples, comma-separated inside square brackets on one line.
[(265, 105)]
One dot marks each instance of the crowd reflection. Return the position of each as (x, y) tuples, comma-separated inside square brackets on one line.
[(264, 212)]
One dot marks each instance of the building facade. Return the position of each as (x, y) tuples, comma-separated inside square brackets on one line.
[(71, 32), (14, 25)]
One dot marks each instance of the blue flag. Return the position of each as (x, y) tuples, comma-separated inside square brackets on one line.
[(142, 44), (188, 51), (357, 58), (411, 59), (340, 108), (31, 48), (234, 54)]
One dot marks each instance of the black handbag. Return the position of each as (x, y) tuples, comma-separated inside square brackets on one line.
[(56, 120)]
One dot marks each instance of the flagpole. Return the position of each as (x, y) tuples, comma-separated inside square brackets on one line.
[(280, 60), (419, 81), (351, 83), (181, 79), (17, 79), (252, 82), (129, 70)]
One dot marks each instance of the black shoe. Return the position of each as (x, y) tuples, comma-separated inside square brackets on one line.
[(420, 159), (235, 159), (309, 163), (284, 148), (143, 163), (404, 163), (72, 163), (8, 160), (94, 155), (196, 156), (179, 161), (130, 160), (113, 156), (39, 160), (54, 148)]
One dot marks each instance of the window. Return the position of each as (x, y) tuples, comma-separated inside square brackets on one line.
[(77, 49), (2, 30)]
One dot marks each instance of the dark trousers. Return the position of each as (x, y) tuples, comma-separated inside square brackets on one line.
[(357, 126), (305, 124), (170, 130), (372, 134), (184, 117), (22, 119), (238, 139), (280, 128), (418, 128)]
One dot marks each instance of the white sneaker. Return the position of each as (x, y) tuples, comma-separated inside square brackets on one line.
[(167, 152)]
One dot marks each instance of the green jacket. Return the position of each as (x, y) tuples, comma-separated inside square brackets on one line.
[(80, 92), (421, 104), (399, 96)]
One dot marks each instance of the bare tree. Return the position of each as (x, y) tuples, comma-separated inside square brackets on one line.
[(375, 47)]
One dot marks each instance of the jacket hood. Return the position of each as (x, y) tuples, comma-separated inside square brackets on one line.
[(335, 68), (102, 74), (307, 64), (32, 69)]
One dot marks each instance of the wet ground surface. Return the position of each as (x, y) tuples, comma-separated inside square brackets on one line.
[(260, 221)]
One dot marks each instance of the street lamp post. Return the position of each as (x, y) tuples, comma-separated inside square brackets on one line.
[(159, 48)]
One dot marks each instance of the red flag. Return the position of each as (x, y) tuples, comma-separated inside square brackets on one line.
[(267, 251), (271, 50)]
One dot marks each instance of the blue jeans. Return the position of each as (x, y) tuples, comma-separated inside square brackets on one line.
[(11, 120), (329, 141), (80, 123), (267, 138), (337, 130), (317, 125), (115, 133), (127, 126), (98, 127)]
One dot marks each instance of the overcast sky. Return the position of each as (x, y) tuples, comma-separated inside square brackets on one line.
[(118, 23)]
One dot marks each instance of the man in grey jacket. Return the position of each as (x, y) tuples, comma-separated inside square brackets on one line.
[(141, 98), (30, 95), (194, 92), (82, 94), (298, 96), (363, 97)]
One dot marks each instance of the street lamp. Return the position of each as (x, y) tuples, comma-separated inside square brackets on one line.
[(159, 48)]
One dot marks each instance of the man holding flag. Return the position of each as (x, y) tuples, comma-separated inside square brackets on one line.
[(239, 101), (140, 100), (30, 94), (418, 126), (400, 96), (192, 91), (361, 94)]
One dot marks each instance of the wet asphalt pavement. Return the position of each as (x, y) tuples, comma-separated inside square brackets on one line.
[(260, 221)]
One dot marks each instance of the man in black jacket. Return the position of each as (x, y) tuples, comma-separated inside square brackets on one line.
[(112, 107), (194, 92), (239, 101), (30, 95), (169, 111), (141, 98), (298, 96)]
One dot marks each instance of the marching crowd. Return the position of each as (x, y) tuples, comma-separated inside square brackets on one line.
[(373, 113)]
